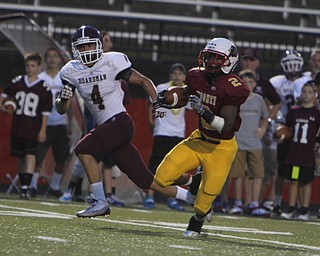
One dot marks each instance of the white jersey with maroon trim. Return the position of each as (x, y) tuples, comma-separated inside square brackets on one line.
[(288, 91), (173, 124), (97, 85), (56, 86)]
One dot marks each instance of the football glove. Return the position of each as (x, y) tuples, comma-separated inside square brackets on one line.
[(66, 92), (157, 111), (160, 100), (196, 104)]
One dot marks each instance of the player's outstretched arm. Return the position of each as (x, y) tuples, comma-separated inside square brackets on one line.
[(145, 82)]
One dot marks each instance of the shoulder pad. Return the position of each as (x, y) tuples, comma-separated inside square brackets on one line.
[(16, 79)]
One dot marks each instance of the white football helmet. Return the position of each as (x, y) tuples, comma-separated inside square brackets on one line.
[(219, 54), (292, 62), (87, 35)]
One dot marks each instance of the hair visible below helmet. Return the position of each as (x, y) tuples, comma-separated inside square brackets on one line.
[(87, 35), (292, 62), (219, 54)]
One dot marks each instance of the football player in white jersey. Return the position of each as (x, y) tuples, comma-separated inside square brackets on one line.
[(288, 86), (57, 127), (96, 76)]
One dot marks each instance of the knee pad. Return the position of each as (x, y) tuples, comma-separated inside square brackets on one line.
[(161, 183), (210, 190)]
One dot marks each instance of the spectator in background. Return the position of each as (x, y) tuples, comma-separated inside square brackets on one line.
[(287, 85), (250, 60), (300, 161), (249, 156), (58, 128), (314, 63), (167, 131), (269, 147), (30, 115)]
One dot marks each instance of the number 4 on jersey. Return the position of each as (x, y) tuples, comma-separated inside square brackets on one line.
[(96, 97)]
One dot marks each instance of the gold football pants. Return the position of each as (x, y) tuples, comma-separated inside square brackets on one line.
[(192, 152)]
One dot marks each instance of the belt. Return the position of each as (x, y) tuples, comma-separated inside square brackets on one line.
[(204, 138)]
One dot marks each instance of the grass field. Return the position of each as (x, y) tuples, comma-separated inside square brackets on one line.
[(46, 227)]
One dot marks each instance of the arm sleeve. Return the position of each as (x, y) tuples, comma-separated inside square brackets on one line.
[(270, 92), (124, 74)]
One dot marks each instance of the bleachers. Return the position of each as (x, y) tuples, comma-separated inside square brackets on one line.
[(175, 30)]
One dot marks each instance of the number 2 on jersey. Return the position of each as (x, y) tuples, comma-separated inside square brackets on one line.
[(234, 81), (96, 97)]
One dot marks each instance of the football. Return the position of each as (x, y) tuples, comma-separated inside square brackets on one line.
[(176, 97), (282, 132), (10, 105)]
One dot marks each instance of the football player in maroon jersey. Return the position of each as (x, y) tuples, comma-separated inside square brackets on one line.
[(300, 162), (34, 105), (216, 95)]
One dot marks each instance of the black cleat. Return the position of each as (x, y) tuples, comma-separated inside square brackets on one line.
[(194, 227), (53, 193)]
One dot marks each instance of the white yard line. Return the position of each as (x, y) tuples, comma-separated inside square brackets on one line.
[(165, 227), (184, 247), (53, 239), (219, 228)]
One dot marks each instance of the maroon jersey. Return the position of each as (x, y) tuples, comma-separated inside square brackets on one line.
[(33, 100), (226, 90), (305, 124)]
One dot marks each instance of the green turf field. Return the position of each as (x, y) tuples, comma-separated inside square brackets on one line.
[(38, 227)]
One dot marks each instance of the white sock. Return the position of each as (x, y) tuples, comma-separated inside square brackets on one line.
[(254, 203), (238, 203), (98, 191), (277, 200), (182, 194), (34, 180), (55, 182)]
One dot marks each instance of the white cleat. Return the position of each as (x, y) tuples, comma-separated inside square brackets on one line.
[(209, 216), (304, 217), (66, 198), (288, 216), (98, 208), (236, 210), (190, 233)]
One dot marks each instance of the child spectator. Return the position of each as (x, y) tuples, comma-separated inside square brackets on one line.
[(34, 104), (300, 162), (254, 115)]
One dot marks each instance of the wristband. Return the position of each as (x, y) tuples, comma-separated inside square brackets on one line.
[(216, 122), (207, 116)]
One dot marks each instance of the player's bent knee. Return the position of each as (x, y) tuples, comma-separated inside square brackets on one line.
[(160, 183), (210, 191)]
